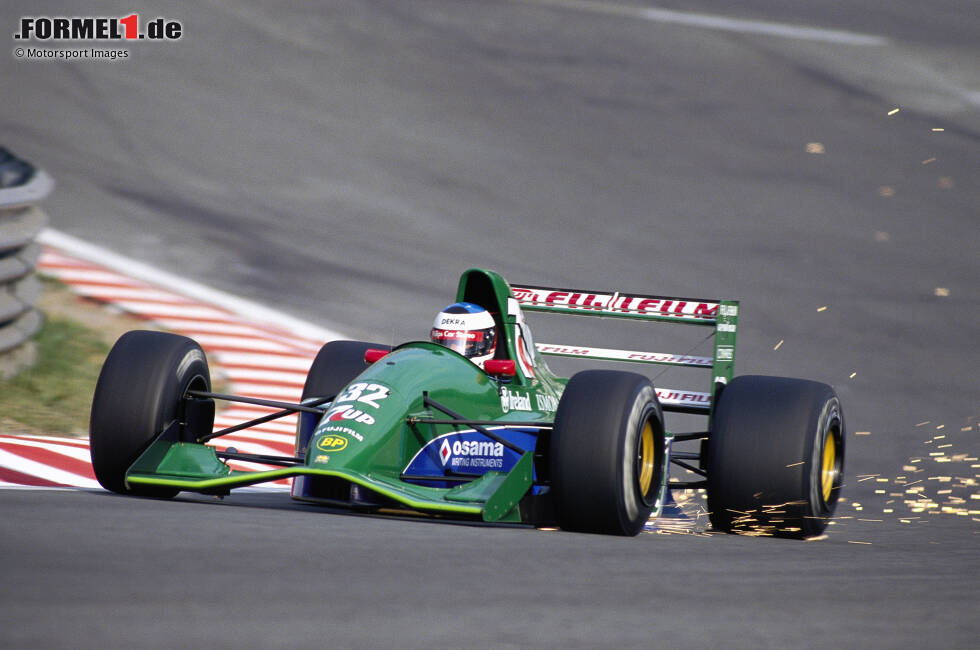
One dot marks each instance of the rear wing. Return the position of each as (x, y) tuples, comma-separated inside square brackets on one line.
[(720, 315)]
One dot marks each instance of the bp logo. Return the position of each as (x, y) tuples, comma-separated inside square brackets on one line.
[(331, 443)]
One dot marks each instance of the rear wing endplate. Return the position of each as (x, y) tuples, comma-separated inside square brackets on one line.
[(720, 315)]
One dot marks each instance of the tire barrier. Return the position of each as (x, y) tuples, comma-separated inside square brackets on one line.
[(21, 186)]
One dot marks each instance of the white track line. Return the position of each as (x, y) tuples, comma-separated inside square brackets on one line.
[(282, 426), (70, 451), (218, 341), (265, 391), (153, 309), (279, 378), (81, 443), (270, 361), (719, 23), (202, 327), (118, 294), (141, 271), (93, 276), (47, 472)]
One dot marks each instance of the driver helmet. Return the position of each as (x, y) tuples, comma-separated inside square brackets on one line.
[(468, 329)]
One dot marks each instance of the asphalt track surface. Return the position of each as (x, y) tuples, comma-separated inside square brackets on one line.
[(346, 162)]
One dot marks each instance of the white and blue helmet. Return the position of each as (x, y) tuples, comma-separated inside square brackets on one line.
[(468, 329)]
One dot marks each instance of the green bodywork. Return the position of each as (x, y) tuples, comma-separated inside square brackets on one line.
[(376, 426)]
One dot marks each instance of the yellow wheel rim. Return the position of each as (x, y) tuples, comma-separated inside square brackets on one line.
[(647, 458), (828, 473)]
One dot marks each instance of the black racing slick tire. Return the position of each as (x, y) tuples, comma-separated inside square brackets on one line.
[(336, 365), (775, 457), (140, 393), (607, 453)]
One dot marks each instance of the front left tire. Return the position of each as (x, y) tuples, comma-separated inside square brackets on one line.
[(607, 453)]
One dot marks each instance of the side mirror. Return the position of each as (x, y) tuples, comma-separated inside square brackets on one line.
[(373, 354), (503, 367)]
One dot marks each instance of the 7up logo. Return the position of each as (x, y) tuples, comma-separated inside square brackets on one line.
[(345, 412)]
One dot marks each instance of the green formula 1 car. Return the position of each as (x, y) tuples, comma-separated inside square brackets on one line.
[(421, 427)]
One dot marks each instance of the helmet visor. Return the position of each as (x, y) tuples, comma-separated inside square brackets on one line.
[(469, 343)]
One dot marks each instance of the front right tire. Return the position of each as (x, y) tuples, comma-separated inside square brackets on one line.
[(140, 392)]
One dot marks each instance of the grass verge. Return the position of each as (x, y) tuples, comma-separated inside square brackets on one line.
[(54, 396)]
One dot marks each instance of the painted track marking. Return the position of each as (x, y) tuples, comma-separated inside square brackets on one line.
[(718, 23), (257, 351)]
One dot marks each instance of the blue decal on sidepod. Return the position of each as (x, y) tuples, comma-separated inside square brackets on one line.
[(468, 453)]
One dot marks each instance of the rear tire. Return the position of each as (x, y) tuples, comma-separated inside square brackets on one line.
[(336, 365), (607, 453), (775, 457), (139, 393)]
